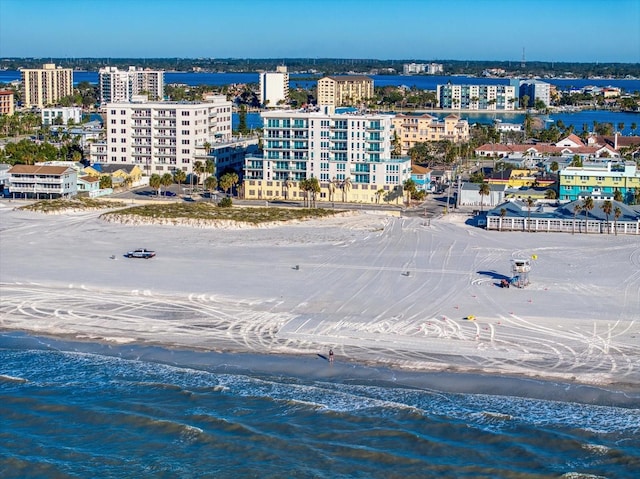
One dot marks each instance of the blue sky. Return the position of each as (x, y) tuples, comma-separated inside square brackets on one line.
[(548, 30)]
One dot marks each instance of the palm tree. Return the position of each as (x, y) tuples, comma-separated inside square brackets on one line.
[(304, 186), (210, 184), (550, 194), (554, 167), (617, 195), (346, 187), (179, 176), (483, 190), (166, 180), (155, 182), (529, 202), (209, 167), (227, 181), (617, 212), (576, 209), (314, 189), (587, 205), (379, 194), (607, 208), (198, 169), (503, 214)]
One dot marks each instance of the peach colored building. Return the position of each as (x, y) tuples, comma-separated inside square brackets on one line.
[(45, 86), (344, 90), (413, 129), (6, 102)]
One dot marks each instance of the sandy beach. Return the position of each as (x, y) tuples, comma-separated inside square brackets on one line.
[(379, 290)]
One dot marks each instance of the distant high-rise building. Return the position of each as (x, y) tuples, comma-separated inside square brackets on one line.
[(345, 90), (414, 68), (123, 85), (536, 90), (45, 86), (274, 87)]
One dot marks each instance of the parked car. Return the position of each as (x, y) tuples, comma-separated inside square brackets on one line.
[(141, 253)]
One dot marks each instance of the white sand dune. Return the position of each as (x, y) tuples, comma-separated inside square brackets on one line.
[(376, 289)]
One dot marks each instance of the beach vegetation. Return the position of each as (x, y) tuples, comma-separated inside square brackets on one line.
[(225, 202), (60, 205), (224, 211)]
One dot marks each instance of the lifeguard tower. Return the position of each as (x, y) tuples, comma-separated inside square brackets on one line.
[(520, 269)]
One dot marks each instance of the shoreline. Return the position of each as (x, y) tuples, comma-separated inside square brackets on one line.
[(313, 367), (297, 290)]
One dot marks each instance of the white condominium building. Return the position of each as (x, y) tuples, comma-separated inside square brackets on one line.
[(536, 90), (415, 68), (161, 136), (274, 87), (61, 115), (122, 85), (45, 86), (477, 97), (342, 150)]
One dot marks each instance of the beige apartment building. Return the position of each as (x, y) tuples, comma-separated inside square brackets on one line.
[(345, 90), (45, 86), (6, 102), (413, 129)]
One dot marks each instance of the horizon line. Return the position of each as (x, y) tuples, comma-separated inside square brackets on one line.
[(282, 59)]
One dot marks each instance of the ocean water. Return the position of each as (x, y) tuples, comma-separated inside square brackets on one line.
[(93, 411)]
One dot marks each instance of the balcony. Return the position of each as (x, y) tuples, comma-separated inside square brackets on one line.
[(374, 128)]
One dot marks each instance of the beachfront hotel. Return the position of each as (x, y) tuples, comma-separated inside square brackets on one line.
[(123, 85), (349, 153), (45, 86), (42, 181), (477, 97), (161, 137), (413, 129), (274, 87), (344, 90), (600, 181)]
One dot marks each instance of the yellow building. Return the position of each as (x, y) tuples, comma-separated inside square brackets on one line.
[(345, 90), (413, 129), (6, 102), (45, 86), (120, 174), (524, 178), (336, 192)]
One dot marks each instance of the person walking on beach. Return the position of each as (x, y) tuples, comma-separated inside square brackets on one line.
[(331, 355)]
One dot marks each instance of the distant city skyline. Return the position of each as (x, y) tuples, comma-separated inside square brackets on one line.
[(545, 30)]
